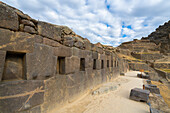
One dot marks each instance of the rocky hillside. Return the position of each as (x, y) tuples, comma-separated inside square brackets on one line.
[(161, 37)]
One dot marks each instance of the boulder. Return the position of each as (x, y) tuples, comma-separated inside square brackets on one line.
[(138, 94)]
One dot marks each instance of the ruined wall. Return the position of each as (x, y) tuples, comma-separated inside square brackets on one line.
[(43, 66), (147, 56)]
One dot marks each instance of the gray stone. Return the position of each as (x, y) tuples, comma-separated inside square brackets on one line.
[(152, 88), (87, 44), (49, 30), (40, 63), (8, 18), (66, 30), (16, 41), (63, 51), (29, 29), (14, 68), (20, 95), (68, 41), (148, 81), (94, 55), (2, 64), (27, 22), (72, 64), (153, 110), (139, 94), (50, 42), (79, 44)]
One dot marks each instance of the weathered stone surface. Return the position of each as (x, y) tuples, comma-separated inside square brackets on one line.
[(93, 47), (139, 94), (2, 64), (87, 44), (72, 64), (16, 41), (38, 39), (36, 109), (68, 41), (49, 30), (98, 64), (40, 64), (21, 27), (63, 51), (143, 76), (50, 42), (79, 44), (66, 30), (14, 68), (20, 95), (54, 100), (29, 29), (94, 55), (27, 22), (152, 88), (8, 18)]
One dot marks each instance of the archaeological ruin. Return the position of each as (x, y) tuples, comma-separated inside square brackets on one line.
[(44, 66)]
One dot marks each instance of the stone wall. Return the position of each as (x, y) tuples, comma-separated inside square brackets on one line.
[(163, 74), (43, 66), (147, 56), (163, 65)]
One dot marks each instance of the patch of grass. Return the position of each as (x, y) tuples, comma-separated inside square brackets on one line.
[(166, 70), (164, 90), (128, 57)]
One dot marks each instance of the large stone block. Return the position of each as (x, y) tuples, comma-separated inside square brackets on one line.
[(72, 64), (50, 42), (139, 94), (16, 41), (40, 64), (2, 64), (152, 88), (16, 96), (68, 41), (87, 45), (49, 30), (8, 18), (55, 93), (88, 62), (95, 55), (62, 51), (98, 64)]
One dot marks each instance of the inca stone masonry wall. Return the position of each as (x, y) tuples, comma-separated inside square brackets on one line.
[(43, 66)]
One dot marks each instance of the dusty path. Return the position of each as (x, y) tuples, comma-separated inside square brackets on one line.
[(116, 101)]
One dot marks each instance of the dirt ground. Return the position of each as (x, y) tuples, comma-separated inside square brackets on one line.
[(116, 101)]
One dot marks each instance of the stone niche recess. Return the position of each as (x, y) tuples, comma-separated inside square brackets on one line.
[(14, 68)]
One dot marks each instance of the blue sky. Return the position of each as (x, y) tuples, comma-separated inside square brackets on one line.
[(109, 22)]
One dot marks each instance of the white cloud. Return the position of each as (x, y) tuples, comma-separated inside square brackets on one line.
[(110, 22)]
